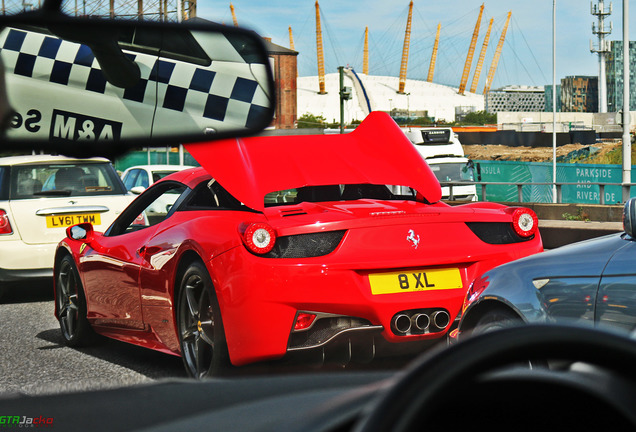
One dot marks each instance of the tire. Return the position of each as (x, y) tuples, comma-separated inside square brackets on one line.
[(500, 319), (201, 334), (71, 305), (496, 320)]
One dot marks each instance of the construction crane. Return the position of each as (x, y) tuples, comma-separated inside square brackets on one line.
[(495, 59), (291, 39), (405, 50), (151, 10), (471, 52), (319, 53), (365, 58), (431, 68), (482, 55), (233, 15)]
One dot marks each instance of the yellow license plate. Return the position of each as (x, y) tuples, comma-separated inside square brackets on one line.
[(62, 221), (415, 280)]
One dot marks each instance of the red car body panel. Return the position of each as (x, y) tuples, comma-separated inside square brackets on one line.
[(377, 152), (130, 278)]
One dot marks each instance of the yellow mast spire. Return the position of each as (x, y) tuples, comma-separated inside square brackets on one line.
[(482, 55), (291, 39), (321, 59), (431, 68), (233, 15), (495, 59), (405, 50), (471, 52), (365, 59)]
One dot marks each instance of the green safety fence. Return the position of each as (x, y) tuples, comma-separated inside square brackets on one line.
[(487, 171), (582, 192), (157, 157)]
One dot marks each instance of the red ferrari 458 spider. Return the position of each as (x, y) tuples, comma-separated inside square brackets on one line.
[(335, 245)]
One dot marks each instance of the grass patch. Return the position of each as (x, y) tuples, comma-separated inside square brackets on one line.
[(581, 215), (610, 157)]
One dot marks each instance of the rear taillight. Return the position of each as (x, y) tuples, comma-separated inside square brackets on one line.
[(259, 238), (141, 219), (5, 225), (525, 222)]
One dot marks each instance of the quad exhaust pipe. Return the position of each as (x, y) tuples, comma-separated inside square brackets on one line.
[(441, 319), (419, 322), (401, 323)]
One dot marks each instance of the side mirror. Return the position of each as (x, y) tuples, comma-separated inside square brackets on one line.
[(629, 217), (138, 190), (83, 231)]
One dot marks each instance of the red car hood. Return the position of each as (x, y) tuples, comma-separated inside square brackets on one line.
[(377, 152)]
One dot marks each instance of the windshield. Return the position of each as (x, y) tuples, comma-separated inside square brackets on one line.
[(337, 242), (453, 172), (68, 179)]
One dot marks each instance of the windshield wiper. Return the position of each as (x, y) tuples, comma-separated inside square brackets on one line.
[(63, 192)]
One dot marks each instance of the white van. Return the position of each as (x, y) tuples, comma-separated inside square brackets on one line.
[(443, 152)]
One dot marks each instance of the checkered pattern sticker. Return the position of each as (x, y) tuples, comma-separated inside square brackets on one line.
[(219, 92)]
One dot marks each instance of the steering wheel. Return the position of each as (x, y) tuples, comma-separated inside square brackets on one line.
[(476, 382)]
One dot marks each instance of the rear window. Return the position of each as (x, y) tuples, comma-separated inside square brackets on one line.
[(348, 192), (70, 179), (158, 175)]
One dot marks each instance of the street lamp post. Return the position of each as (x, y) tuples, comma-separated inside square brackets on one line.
[(627, 141), (554, 187)]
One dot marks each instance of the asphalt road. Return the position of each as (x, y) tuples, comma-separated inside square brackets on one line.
[(34, 359)]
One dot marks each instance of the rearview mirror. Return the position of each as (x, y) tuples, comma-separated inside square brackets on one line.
[(99, 87)]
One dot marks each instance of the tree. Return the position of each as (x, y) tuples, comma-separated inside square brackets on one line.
[(310, 121), (479, 118), (418, 121)]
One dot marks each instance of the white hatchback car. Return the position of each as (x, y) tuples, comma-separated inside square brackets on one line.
[(41, 195)]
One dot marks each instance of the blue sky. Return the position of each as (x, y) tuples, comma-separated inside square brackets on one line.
[(526, 58)]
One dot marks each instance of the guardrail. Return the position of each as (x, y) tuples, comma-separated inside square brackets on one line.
[(626, 188)]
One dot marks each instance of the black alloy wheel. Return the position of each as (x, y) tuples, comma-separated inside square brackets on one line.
[(71, 305), (201, 335)]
